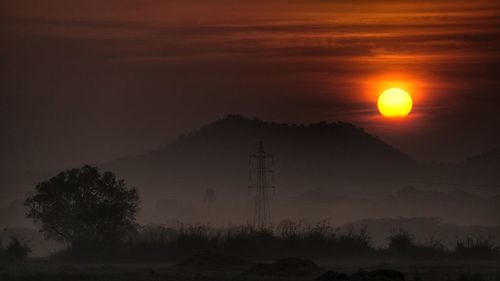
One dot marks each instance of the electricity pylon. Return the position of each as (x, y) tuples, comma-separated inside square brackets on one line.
[(262, 206)]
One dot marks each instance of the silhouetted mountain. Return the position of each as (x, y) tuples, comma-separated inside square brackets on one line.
[(338, 157), (216, 156)]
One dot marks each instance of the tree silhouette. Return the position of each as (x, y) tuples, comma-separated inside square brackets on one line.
[(209, 197), (401, 242), (83, 207)]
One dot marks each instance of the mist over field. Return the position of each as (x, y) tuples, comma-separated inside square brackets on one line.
[(324, 171)]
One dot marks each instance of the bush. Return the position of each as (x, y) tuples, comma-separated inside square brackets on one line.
[(403, 244), (15, 251), (476, 248)]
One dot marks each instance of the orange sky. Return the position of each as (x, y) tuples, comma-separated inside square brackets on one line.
[(149, 64)]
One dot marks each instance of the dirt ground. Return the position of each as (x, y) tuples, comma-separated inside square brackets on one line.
[(413, 270)]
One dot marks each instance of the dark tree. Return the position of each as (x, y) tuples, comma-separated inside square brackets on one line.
[(82, 207)]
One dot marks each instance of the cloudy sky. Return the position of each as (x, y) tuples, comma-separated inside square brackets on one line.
[(88, 81)]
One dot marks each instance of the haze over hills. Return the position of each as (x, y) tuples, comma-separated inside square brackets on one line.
[(305, 156), (337, 162), (482, 169), (354, 169)]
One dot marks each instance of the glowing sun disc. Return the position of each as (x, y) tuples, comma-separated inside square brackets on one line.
[(395, 103)]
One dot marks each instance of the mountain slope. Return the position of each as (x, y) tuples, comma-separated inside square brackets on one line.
[(216, 156)]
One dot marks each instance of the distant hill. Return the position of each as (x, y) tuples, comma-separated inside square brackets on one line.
[(482, 169), (216, 156)]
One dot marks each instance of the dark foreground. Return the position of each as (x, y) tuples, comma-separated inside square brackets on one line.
[(412, 270)]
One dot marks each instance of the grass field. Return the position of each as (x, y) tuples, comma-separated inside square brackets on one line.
[(413, 270)]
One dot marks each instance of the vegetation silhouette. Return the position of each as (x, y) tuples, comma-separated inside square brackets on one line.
[(84, 208), (209, 197), (476, 248), (14, 252), (154, 243), (403, 244)]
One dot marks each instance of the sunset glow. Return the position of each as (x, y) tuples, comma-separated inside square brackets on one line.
[(290, 61)]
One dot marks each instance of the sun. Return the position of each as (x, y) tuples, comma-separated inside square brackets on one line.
[(395, 103)]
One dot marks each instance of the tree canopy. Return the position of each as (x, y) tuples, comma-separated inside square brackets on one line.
[(82, 206)]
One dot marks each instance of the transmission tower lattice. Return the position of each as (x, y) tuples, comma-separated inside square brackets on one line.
[(262, 206)]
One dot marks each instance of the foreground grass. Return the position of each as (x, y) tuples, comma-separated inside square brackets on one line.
[(316, 241), (425, 270)]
